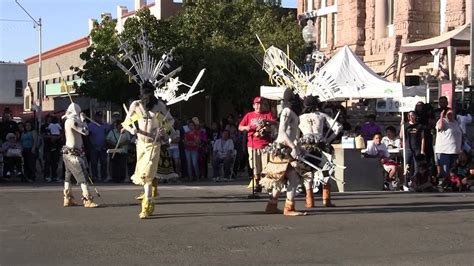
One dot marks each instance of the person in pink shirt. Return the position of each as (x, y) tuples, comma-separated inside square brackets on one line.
[(191, 147), (258, 126)]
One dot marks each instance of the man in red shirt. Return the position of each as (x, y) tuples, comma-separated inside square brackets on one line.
[(258, 126)]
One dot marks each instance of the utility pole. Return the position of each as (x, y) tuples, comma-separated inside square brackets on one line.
[(38, 24)]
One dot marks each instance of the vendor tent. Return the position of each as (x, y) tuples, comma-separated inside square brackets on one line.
[(345, 76)]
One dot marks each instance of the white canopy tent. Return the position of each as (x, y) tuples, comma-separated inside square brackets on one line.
[(344, 76)]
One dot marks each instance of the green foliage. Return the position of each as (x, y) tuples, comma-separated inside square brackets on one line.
[(217, 35), (103, 79), (221, 37)]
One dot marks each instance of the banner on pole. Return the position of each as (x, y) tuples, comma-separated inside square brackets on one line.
[(392, 105)]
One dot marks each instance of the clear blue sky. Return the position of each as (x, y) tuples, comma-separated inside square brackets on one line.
[(63, 21)]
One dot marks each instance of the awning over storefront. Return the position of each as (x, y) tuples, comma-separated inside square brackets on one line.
[(458, 38), (455, 41)]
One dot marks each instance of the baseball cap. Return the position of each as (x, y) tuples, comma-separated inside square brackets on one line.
[(257, 99)]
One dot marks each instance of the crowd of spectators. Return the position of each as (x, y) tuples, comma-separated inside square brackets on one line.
[(434, 142), (435, 145)]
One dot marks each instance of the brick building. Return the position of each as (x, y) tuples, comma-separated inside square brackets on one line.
[(55, 98), (12, 84), (375, 29)]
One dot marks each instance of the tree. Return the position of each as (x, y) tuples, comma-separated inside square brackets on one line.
[(102, 79), (221, 37), (217, 35)]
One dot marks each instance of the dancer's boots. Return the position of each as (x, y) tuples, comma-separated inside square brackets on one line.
[(327, 196), (272, 206), (309, 198), (154, 190), (89, 202), (68, 198), (148, 206), (290, 209)]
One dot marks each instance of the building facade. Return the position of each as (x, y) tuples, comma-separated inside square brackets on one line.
[(375, 29), (13, 80), (55, 96)]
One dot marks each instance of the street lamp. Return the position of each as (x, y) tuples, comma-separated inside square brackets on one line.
[(312, 57), (38, 24)]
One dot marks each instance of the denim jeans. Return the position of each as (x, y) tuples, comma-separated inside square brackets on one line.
[(98, 155), (446, 161), (411, 161), (192, 162)]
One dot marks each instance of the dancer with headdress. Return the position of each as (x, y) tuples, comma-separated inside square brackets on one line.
[(75, 163), (149, 117), (284, 152), (317, 146), (149, 128)]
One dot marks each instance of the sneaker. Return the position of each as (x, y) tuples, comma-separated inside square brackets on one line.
[(471, 188), (48, 179), (406, 189)]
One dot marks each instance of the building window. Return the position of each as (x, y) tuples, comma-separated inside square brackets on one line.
[(310, 5), (323, 32), (389, 16), (334, 28), (323, 3), (19, 88)]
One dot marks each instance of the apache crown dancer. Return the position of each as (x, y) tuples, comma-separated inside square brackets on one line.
[(285, 151), (314, 142), (149, 128), (73, 156)]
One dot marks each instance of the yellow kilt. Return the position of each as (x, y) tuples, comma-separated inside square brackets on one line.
[(146, 168)]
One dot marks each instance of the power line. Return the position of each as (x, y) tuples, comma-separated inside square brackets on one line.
[(14, 20)]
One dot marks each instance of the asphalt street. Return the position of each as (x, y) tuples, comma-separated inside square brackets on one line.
[(204, 223)]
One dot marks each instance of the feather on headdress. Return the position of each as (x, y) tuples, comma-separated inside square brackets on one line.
[(146, 68)]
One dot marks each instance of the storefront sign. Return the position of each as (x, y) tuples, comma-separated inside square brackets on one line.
[(404, 104)]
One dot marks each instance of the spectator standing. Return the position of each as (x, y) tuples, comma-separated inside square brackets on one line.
[(52, 149), (118, 161), (253, 122), (443, 107), (369, 128), (191, 146), (28, 140), (8, 125), (214, 133), (238, 139), (203, 150), (464, 118), (223, 153), (174, 150), (97, 140), (414, 143), (448, 141)]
